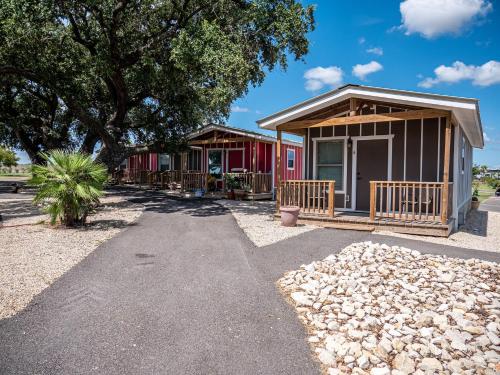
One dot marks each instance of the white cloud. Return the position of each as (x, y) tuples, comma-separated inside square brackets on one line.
[(376, 51), (432, 18), (362, 40), (486, 138), (237, 108), (317, 78), (362, 70), (483, 75)]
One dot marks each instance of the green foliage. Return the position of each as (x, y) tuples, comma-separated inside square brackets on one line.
[(77, 72), (8, 158), (69, 185), (476, 170), (232, 182), (475, 190), (492, 182)]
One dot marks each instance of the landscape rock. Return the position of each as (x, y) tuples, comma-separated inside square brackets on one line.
[(378, 310)]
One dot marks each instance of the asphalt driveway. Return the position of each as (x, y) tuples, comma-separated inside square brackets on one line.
[(182, 292), (491, 204)]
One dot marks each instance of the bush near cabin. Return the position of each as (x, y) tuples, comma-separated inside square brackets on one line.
[(68, 186)]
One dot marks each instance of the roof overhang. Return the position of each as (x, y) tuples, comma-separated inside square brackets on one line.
[(465, 111), (241, 132)]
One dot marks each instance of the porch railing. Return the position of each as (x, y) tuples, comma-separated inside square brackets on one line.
[(311, 196), (170, 177), (254, 182), (409, 201), (194, 180), (136, 175)]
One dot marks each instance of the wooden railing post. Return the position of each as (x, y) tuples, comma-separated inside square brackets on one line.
[(446, 171), (373, 190), (331, 198), (278, 169)]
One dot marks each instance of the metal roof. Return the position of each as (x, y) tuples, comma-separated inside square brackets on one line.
[(464, 110)]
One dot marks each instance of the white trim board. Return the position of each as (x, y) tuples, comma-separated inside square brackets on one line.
[(344, 164)]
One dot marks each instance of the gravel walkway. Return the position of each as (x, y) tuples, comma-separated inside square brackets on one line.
[(380, 310), (256, 219), (33, 255), (480, 232)]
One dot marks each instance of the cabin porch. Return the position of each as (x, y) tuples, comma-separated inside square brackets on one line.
[(374, 165)]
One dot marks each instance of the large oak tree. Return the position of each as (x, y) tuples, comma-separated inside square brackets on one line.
[(134, 72)]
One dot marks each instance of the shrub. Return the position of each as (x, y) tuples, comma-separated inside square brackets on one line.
[(69, 186)]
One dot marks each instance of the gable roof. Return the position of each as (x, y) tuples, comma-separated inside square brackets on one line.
[(238, 131), (465, 111)]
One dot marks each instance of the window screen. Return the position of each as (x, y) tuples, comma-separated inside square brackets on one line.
[(290, 157), (215, 162), (330, 162)]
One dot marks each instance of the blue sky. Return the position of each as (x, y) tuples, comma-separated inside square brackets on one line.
[(401, 44)]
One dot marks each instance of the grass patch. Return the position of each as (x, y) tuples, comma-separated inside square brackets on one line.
[(485, 191)]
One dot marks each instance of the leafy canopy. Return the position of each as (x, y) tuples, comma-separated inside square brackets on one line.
[(69, 185), (119, 72)]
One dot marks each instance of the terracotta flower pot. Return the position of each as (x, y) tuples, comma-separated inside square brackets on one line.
[(289, 215)]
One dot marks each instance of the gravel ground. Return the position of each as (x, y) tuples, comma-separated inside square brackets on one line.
[(380, 310), (33, 254), (481, 232), (256, 219)]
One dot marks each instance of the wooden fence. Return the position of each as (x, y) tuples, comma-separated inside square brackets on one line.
[(409, 201), (311, 196)]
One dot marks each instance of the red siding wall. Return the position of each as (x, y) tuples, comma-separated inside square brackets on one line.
[(264, 158), (287, 174)]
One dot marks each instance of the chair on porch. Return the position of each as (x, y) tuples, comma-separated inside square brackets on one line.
[(419, 201)]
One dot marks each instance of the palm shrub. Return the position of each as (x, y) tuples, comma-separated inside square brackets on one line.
[(69, 185)]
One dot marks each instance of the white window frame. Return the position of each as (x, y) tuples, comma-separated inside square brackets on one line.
[(221, 150), (287, 159), (170, 161), (344, 159)]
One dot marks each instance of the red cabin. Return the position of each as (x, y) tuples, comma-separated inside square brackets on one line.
[(218, 150)]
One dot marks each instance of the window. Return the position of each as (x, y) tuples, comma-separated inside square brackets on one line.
[(290, 159), (330, 161), (215, 162), (164, 162)]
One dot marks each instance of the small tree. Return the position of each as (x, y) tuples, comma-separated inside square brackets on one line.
[(69, 185), (8, 158)]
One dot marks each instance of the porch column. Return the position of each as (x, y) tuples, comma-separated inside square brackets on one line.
[(254, 157), (446, 171), (278, 169)]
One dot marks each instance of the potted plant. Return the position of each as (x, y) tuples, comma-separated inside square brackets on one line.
[(475, 198), (231, 184), (289, 215), (211, 183), (240, 192)]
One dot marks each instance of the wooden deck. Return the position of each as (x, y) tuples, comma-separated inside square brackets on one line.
[(361, 221)]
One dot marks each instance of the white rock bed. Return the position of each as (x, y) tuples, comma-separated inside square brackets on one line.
[(375, 309), (257, 222)]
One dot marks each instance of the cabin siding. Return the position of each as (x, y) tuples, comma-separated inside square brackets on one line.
[(417, 151)]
